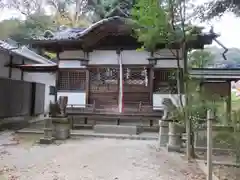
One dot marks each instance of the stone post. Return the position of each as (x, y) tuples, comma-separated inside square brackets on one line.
[(174, 140), (61, 128), (163, 133), (63, 101), (48, 132)]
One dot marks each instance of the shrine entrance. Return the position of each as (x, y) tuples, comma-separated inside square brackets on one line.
[(104, 87), (136, 88)]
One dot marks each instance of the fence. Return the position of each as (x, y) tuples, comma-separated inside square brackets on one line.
[(226, 147), (20, 98)]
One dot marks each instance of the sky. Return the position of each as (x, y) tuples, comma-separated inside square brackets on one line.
[(228, 27)]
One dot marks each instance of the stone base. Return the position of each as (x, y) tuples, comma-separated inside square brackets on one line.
[(163, 133), (115, 129), (45, 140), (172, 148), (61, 131), (163, 140)]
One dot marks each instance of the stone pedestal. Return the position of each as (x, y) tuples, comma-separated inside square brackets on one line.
[(163, 133), (48, 132), (61, 128), (174, 140)]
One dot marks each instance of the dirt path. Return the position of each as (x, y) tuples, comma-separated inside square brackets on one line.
[(94, 159)]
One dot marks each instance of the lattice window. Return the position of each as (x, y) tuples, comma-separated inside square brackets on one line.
[(136, 76), (104, 75), (104, 79), (72, 80)]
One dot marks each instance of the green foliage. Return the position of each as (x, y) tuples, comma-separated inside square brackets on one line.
[(198, 104), (104, 8), (18, 30), (34, 25), (9, 27), (200, 59), (162, 22), (230, 138), (152, 23)]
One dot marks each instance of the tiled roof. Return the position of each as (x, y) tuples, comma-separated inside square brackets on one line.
[(77, 33), (225, 65), (25, 52), (69, 33)]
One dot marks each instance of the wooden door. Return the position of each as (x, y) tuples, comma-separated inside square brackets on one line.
[(136, 87), (104, 87)]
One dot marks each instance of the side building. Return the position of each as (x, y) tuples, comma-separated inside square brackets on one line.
[(24, 93)]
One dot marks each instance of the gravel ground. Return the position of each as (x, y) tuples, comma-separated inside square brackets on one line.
[(93, 159), (226, 172)]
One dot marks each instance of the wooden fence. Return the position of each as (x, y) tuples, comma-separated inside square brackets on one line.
[(21, 98)]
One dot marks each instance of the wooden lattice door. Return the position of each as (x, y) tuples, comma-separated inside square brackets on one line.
[(104, 87), (136, 86)]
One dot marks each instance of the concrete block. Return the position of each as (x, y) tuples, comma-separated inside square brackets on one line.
[(115, 129), (46, 140)]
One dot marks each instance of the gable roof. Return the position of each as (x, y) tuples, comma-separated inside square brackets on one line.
[(24, 52)]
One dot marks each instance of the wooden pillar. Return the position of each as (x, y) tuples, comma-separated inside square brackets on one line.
[(228, 104), (86, 55), (57, 77), (10, 66), (22, 73), (87, 86), (151, 78)]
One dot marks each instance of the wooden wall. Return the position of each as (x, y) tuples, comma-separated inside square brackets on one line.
[(21, 98)]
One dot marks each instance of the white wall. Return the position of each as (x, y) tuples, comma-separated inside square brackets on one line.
[(74, 98), (103, 57), (111, 57), (158, 99), (135, 57), (72, 54), (132, 57), (49, 79), (70, 64)]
